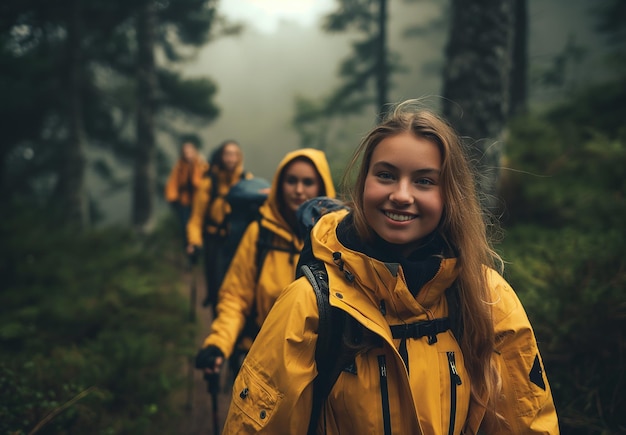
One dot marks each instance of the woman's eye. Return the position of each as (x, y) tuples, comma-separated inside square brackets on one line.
[(306, 182), (384, 176), (425, 182)]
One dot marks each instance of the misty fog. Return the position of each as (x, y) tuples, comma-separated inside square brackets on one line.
[(258, 74)]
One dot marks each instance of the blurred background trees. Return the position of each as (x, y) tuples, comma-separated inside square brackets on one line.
[(563, 186), (99, 87), (365, 75), (79, 71), (479, 75)]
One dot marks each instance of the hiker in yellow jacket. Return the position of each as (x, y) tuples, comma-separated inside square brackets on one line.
[(414, 230), (184, 180), (207, 225), (252, 284)]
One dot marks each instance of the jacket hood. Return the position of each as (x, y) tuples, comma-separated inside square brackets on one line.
[(271, 208), (357, 274)]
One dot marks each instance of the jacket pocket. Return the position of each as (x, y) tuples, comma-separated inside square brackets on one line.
[(254, 399), (527, 378)]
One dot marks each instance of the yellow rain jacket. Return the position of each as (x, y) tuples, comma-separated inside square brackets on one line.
[(184, 180), (212, 217), (273, 391), (241, 294)]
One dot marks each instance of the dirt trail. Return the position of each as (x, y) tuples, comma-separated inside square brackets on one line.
[(198, 415)]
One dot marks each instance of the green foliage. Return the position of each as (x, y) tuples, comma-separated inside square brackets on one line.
[(189, 20), (36, 48), (93, 328), (601, 110), (571, 284), (566, 244), (611, 23), (558, 179), (561, 67), (188, 96), (365, 74)]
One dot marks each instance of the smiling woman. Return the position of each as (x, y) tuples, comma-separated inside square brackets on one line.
[(419, 265), (402, 199), (266, 15)]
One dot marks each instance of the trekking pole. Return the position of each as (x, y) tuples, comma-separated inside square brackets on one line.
[(213, 388), (192, 318), (192, 292)]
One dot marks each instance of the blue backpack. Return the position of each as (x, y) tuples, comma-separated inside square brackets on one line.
[(244, 199)]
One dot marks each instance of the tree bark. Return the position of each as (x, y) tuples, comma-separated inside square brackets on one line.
[(382, 72), (70, 187), (144, 189), (476, 83)]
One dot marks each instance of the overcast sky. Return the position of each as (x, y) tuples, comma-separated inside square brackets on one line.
[(265, 15)]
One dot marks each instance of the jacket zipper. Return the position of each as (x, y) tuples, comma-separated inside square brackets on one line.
[(455, 380), (384, 393)]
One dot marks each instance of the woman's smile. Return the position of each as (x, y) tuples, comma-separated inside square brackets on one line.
[(402, 199)]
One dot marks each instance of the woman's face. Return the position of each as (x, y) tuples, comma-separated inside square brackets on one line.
[(230, 157), (189, 151), (300, 182), (402, 199)]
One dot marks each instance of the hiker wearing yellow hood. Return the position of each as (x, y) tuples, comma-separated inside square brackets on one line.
[(207, 226), (401, 271), (249, 289)]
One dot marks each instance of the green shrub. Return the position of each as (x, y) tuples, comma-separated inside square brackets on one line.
[(566, 245), (572, 286), (92, 325)]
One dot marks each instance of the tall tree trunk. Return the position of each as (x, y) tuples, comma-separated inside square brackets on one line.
[(382, 72), (70, 187), (4, 194), (476, 83), (519, 70), (144, 189)]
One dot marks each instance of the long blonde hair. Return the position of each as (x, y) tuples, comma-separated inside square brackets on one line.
[(462, 226)]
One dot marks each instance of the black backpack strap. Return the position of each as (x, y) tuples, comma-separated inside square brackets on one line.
[(213, 195), (214, 188), (339, 339), (425, 328), (318, 278), (430, 328), (265, 244), (454, 311)]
